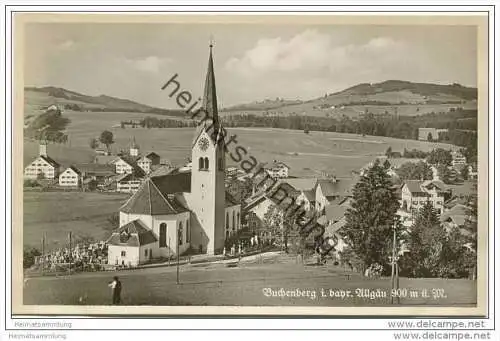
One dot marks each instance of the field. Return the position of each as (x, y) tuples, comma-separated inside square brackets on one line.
[(306, 154), (244, 285), (57, 213), (353, 111)]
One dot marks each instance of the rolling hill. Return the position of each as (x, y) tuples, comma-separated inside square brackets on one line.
[(37, 99), (392, 96)]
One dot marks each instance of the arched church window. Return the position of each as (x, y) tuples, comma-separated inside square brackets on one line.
[(238, 220), (200, 162), (180, 233), (227, 220), (188, 232), (206, 163), (227, 234), (163, 235), (234, 223)]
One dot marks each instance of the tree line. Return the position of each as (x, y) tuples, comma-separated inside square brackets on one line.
[(153, 122)]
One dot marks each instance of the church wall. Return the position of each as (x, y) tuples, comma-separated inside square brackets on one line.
[(229, 227), (144, 251), (125, 218), (207, 198), (173, 223)]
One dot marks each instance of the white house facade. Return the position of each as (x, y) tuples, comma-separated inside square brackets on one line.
[(69, 178), (43, 167)]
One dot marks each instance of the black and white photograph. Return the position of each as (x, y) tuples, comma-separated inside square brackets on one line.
[(274, 164)]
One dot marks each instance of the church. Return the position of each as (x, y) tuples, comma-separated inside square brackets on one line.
[(185, 210)]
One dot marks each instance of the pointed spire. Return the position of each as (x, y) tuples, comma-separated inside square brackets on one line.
[(210, 94)]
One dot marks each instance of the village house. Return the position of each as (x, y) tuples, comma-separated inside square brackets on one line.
[(71, 177), (182, 210), (458, 160), (127, 183), (277, 170), (307, 199), (416, 193), (43, 167), (97, 172), (423, 133), (332, 191)]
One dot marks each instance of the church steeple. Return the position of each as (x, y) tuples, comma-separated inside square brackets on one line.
[(210, 93)]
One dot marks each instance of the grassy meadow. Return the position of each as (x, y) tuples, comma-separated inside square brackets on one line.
[(306, 154), (58, 213), (244, 285)]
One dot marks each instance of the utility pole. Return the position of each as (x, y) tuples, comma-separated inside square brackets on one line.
[(394, 270), (70, 253), (169, 251), (43, 253), (178, 256)]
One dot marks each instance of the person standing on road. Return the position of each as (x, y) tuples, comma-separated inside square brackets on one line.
[(116, 287)]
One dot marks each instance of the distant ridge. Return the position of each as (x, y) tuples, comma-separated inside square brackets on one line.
[(390, 92), (39, 97)]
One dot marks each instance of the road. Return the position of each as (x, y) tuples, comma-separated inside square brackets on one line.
[(250, 284)]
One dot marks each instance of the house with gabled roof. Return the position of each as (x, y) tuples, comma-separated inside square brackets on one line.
[(416, 193), (71, 177), (333, 191), (131, 245), (43, 167), (188, 209)]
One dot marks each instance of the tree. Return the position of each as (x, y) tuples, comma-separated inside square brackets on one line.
[(444, 174), (48, 126), (29, 257), (388, 152), (464, 172), (273, 223), (425, 243), (415, 171), (372, 216), (106, 138), (93, 143), (439, 156), (429, 137)]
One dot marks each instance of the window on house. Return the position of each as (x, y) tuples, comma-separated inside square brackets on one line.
[(188, 232), (163, 235), (146, 252), (238, 220), (123, 253), (234, 218), (227, 220)]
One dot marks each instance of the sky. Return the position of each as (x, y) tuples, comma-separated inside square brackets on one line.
[(252, 61)]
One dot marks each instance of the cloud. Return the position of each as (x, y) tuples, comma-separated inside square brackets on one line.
[(148, 64), (66, 45), (312, 63), (311, 51)]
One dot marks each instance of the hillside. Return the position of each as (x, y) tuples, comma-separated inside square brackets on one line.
[(392, 96), (37, 99)]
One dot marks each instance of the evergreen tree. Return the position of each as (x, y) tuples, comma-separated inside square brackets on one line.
[(388, 152), (372, 216), (425, 244)]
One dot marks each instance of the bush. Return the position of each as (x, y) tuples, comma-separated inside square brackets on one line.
[(29, 257)]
